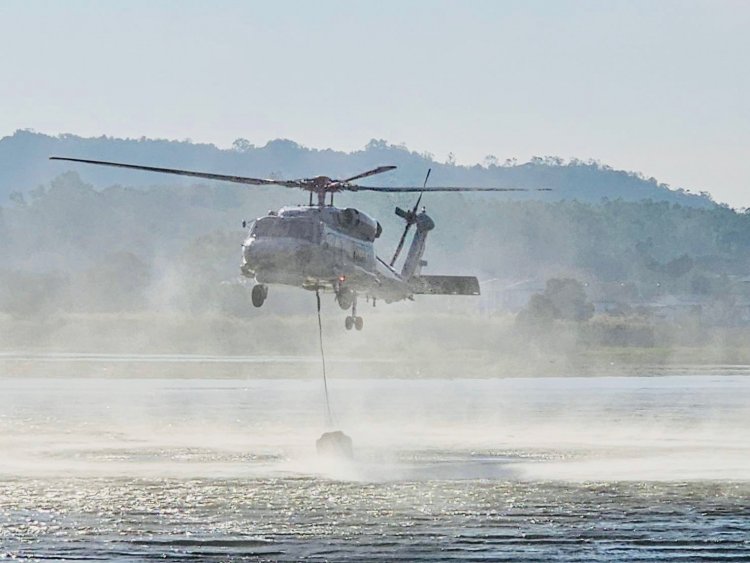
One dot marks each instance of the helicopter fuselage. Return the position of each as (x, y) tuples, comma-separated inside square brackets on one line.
[(321, 248)]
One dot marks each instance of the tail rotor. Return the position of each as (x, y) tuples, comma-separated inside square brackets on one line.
[(410, 216)]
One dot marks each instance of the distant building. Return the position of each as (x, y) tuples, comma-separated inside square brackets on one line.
[(501, 295)]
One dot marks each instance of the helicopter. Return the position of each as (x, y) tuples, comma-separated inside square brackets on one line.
[(322, 247)]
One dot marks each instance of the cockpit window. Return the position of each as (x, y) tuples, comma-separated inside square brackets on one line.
[(284, 227)]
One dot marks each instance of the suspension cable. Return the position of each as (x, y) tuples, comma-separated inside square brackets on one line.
[(329, 414)]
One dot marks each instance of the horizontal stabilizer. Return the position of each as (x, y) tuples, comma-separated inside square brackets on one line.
[(445, 285)]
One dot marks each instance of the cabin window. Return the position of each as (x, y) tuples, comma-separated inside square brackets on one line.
[(285, 227)]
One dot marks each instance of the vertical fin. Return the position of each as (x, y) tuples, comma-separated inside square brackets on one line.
[(413, 262)]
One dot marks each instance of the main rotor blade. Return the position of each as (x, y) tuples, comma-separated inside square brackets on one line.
[(356, 188), (378, 170), (424, 185), (416, 205), (206, 175)]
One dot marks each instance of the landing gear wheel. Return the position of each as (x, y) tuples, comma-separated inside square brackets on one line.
[(260, 292), (352, 321)]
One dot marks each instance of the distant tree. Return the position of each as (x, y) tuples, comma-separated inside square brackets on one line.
[(674, 268), (553, 161), (17, 198), (563, 299), (28, 295), (490, 160), (38, 192), (679, 266), (540, 311), (700, 284), (568, 297), (118, 283), (242, 145), (376, 144)]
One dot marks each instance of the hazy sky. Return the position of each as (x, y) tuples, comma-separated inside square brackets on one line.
[(661, 87)]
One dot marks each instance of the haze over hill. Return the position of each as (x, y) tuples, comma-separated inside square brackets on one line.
[(24, 165), (80, 250)]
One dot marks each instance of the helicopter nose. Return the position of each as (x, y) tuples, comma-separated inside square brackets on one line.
[(270, 253), (257, 253), (250, 254)]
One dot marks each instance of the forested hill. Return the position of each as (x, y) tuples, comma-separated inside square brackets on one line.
[(24, 165)]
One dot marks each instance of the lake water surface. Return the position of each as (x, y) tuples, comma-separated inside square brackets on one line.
[(646, 468)]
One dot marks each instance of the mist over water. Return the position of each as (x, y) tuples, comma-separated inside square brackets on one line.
[(607, 467), (609, 428)]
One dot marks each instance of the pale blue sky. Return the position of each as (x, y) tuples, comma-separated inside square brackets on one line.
[(661, 87)]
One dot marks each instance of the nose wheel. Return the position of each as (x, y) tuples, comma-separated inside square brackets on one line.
[(259, 294), (353, 321)]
